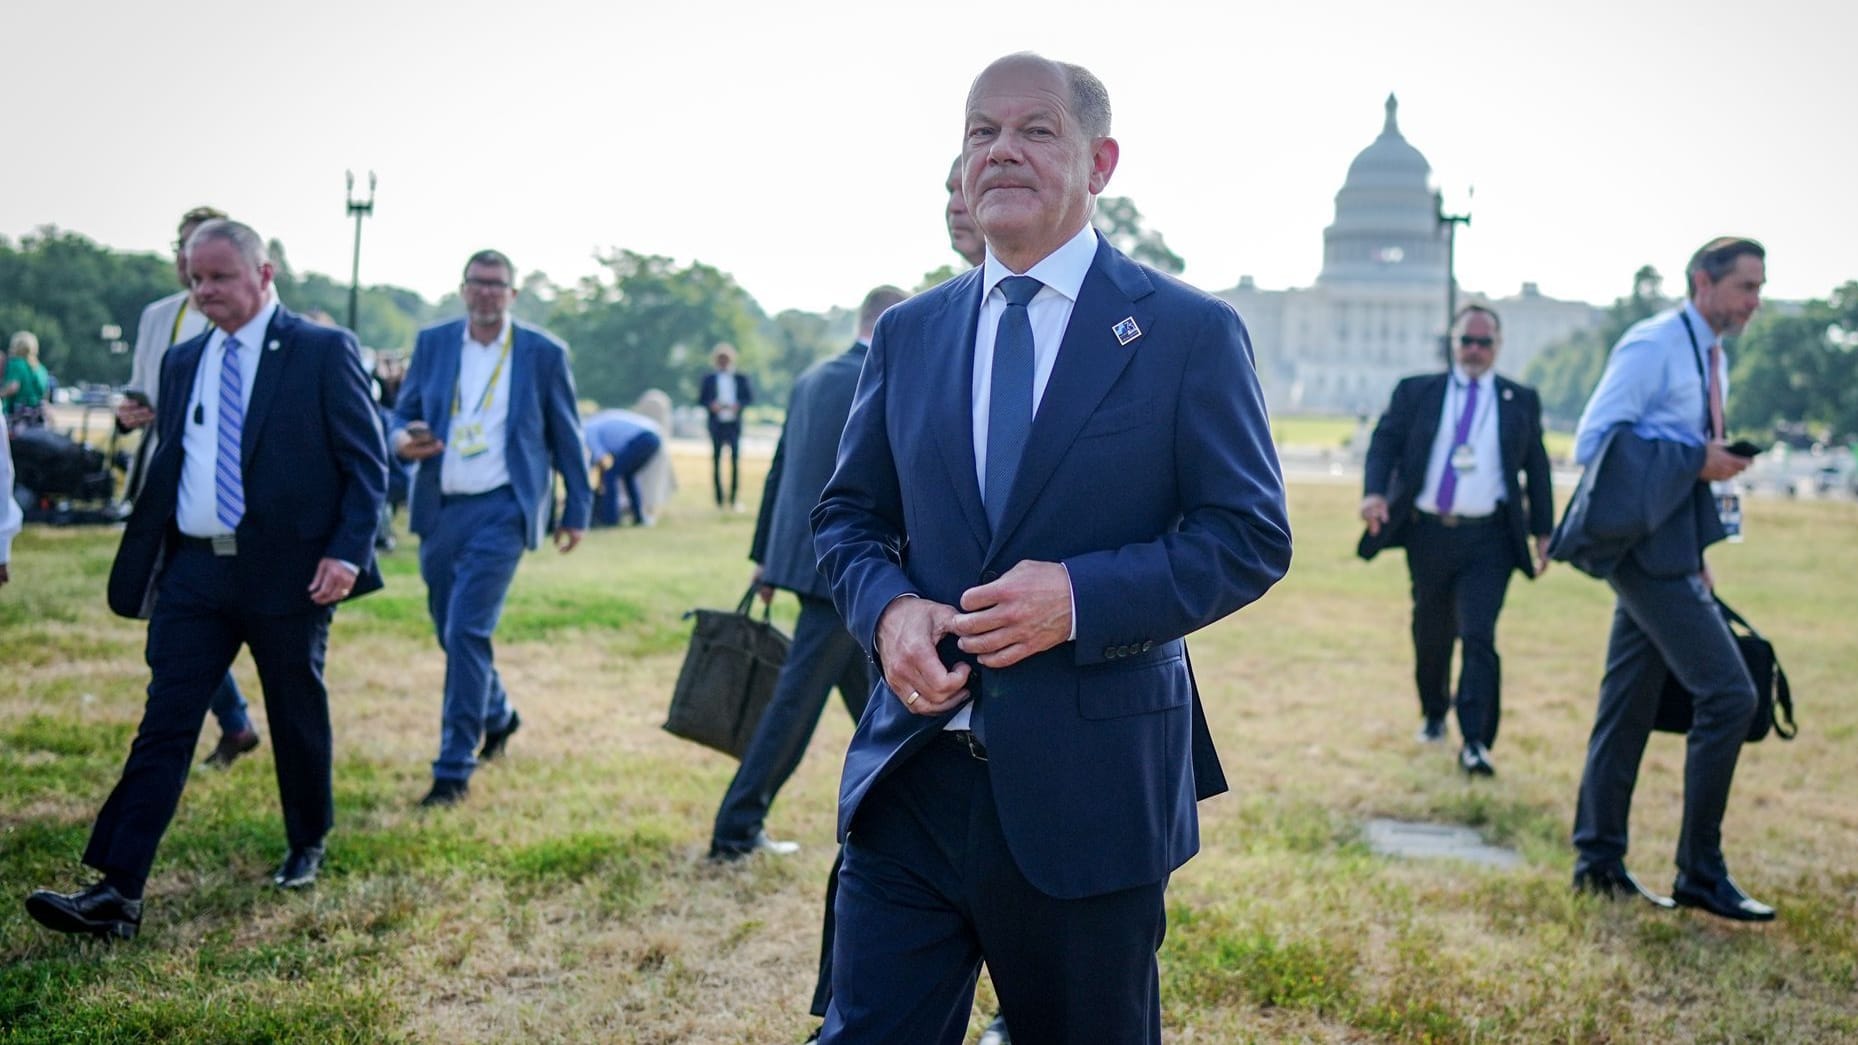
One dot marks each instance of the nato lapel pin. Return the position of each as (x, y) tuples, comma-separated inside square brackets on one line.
[(1126, 331)]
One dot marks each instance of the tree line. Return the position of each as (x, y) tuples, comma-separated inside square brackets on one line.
[(1794, 371)]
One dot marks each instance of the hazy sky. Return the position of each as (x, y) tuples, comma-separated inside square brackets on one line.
[(802, 146)]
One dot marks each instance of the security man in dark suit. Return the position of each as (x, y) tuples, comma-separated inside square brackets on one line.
[(258, 516), (824, 654), (1442, 482)]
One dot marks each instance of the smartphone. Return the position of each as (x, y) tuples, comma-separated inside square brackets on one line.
[(418, 431), (136, 396), (1743, 448)]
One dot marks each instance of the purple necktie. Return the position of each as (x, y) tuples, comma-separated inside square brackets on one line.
[(1448, 482)]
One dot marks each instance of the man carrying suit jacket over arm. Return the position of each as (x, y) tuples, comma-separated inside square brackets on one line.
[(1056, 467), (258, 516), (488, 410), (1441, 481)]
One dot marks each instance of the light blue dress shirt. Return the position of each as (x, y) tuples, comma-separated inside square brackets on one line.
[(1654, 381)]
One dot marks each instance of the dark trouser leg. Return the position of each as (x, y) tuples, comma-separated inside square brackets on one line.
[(606, 499), (229, 707), (1662, 621), (735, 459), (905, 955), (289, 652), (1483, 578), (192, 638), (822, 986), (719, 437), (821, 649), (626, 464), (1435, 617), (468, 565)]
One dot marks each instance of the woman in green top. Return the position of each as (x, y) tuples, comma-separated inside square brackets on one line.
[(24, 383)]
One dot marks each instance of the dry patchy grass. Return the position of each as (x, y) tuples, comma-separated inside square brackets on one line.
[(567, 901)]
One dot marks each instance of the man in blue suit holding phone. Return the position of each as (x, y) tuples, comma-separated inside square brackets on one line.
[(488, 410), (1056, 467)]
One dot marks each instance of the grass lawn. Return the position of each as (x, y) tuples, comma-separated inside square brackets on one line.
[(568, 901)]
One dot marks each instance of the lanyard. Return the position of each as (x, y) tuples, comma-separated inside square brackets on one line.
[(175, 334), (1696, 356), (490, 386)]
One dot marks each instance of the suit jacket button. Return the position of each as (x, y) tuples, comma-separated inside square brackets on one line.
[(1148, 644), (989, 576), (1109, 653)]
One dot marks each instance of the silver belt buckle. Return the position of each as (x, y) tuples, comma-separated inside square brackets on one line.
[(1448, 520), (225, 545), (976, 750)]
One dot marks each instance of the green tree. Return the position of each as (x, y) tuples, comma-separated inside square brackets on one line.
[(796, 340), (1122, 224), (648, 323), (66, 289)]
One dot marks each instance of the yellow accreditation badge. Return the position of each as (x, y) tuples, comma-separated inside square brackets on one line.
[(467, 435)]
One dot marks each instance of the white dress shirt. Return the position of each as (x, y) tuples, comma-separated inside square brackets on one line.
[(1479, 490), (1062, 271), (726, 406), (477, 363), (196, 512)]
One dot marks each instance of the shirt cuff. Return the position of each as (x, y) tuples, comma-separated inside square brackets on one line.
[(1067, 581)]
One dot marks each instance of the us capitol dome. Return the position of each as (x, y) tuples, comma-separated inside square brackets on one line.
[(1376, 312)]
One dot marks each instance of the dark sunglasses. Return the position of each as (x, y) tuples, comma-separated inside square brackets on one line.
[(487, 284), (1471, 341)]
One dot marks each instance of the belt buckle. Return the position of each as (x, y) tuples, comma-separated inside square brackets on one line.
[(1448, 520), (976, 750), (225, 545)]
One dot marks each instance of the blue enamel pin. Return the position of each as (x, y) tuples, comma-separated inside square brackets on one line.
[(1126, 331)]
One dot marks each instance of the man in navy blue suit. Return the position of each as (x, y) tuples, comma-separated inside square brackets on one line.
[(488, 410), (258, 516), (1056, 467), (723, 395)]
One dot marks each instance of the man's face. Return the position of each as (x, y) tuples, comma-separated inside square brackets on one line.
[(963, 236), (1027, 171), (1475, 346), (724, 357), (488, 291), (180, 252), (1727, 303), (227, 288)]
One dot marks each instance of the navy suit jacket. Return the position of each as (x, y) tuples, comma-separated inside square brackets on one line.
[(313, 465), (1402, 447), (744, 392), (1639, 498), (1149, 472), (544, 426)]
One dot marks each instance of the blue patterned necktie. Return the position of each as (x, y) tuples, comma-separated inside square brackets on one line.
[(1009, 409), (228, 487)]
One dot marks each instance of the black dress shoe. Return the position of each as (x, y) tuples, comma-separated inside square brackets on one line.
[(1614, 882), (98, 911), (299, 868), (445, 793), (495, 739), (721, 853), (1474, 759), (1431, 731), (230, 747), (1721, 898)]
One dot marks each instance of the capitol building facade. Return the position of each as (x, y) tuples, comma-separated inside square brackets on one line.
[(1377, 310)]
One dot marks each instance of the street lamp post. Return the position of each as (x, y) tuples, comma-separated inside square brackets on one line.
[(360, 209), (1450, 223)]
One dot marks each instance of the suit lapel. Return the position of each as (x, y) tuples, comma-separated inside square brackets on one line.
[(951, 383), (1090, 359), (1509, 428), (522, 375), (273, 355), (449, 343)]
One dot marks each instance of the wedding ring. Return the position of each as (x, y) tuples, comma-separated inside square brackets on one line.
[(912, 698)]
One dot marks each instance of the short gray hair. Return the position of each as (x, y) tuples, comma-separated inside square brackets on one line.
[(1090, 100), (243, 237), (1717, 258)]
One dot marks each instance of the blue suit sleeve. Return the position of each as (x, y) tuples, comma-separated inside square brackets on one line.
[(410, 405), (858, 523), (1233, 540), (561, 424), (355, 437)]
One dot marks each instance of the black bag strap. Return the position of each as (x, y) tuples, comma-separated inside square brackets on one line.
[(745, 608), (1784, 726)]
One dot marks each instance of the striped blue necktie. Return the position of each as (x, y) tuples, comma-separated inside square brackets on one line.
[(228, 487)]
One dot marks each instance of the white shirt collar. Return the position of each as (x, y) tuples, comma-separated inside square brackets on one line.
[(1063, 270), (1483, 380)]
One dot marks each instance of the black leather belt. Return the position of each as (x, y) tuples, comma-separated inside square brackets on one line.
[(1451, 521), (446, 500), (225, 547), (968, 742)]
